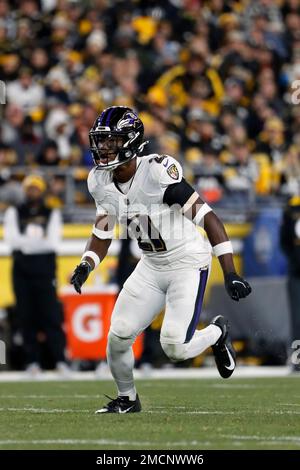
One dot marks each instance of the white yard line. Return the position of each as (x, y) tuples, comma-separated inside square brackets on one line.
[(43, 410), (159, 374), (179, 410), (21, 397), (191, 412), (239, 412), (99, 442), (237, 441), (277, 443), (226, 386), (31, 409), (275, 439)]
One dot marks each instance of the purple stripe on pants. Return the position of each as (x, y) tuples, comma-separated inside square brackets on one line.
[(198, 305)]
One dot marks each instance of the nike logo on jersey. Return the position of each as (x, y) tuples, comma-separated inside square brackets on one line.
[(125, 411), (166, 163), (232, 363)]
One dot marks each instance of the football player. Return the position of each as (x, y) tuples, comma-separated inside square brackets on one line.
[(149, 195)]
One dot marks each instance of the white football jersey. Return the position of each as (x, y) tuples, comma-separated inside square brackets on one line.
[(163, 233)]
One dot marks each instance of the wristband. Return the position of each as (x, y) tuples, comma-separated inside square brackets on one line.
[(93, 256)]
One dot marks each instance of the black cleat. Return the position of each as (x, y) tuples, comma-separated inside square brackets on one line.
[(223, 350), (121, 405)]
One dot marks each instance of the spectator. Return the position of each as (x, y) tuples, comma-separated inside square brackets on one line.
[(49, 155), (290, 172), (56, 89), (201, 131), (59, 128), (241, 171), (32, 231), (272, 139), (209, 179), (24, 92), (233, 63)]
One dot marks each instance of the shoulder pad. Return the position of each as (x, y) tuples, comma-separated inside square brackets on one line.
[(166, 170), (95, 184)]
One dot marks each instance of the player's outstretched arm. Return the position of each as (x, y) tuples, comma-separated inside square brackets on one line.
[(95, 251), (235, 285), (195, 209)]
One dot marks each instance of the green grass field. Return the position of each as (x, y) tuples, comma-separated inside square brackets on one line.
[(177, 414)]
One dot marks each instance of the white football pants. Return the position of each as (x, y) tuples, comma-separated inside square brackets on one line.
[(143, 296)]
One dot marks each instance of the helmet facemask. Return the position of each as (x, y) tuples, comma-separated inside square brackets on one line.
[(116, 137), (110, 150)]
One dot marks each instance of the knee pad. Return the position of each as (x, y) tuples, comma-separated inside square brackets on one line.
[(123, 328), (175, 352), (171, 333), (118, 343)]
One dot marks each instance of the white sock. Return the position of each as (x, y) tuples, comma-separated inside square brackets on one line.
[(120, 359), (131, 394), (202, 339)]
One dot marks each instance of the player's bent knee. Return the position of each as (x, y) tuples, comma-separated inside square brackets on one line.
[(118, 343), (175, 352), (122, 328)]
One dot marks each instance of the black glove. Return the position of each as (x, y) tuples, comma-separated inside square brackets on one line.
[(236, 286), (80, 275)]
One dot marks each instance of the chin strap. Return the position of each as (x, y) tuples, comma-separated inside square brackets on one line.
[(115, 165)]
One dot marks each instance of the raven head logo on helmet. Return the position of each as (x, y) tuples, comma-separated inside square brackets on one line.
[(116, 137)]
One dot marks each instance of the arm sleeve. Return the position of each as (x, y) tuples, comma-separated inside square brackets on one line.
[(178, 193), (184, 195)]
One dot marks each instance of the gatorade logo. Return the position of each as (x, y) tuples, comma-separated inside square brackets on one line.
[(87, 323)]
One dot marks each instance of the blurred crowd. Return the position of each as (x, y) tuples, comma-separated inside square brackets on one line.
[(214, 81)]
